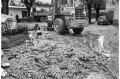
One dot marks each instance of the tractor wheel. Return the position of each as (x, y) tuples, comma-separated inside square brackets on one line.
[(78, 30), (59, 26)]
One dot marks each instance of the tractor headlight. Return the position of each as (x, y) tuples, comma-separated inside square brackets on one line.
[(50, 18), (84, 12)]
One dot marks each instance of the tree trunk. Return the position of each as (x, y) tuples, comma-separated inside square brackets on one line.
[(97, 12), (28, 13), (5, 9), (89, 13)]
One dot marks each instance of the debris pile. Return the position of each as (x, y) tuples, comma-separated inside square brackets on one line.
[(56, 57)]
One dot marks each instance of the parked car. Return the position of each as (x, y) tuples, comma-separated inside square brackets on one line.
[(102, 20)]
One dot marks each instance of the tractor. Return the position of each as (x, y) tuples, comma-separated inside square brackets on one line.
[(68, 14)]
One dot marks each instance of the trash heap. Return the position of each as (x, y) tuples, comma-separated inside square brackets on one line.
[(56, 57)]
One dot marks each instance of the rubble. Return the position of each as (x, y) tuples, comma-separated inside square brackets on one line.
[(96, 76), (55, 56), (3, 72), (101, 41), (5, 65), (2, 53)]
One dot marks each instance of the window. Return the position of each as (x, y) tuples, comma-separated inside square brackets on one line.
[(112, 2), (34, 10), (24, 14)]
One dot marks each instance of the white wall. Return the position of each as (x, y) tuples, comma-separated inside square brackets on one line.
[(110, 6), (116, 11), (16, 11), (116, 14), (115, 8)]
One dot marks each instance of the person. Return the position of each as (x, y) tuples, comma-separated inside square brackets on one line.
[(17, 18)]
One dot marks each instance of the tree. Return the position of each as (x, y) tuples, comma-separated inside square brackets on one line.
[(88, 4), (64, 2), (5, 9), (98, 4), (29, 4)]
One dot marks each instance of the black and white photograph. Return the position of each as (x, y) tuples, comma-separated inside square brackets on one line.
[(59, 39)]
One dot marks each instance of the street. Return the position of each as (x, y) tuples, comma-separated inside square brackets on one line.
[(69, 56)]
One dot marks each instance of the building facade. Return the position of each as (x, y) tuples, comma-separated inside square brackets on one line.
[(113, 5), (20, 11), (17, 7)]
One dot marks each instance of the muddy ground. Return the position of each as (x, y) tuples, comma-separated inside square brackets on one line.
[(68, 56)]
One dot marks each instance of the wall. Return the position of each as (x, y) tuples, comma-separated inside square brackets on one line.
[(110, 5), (113, 5), (116, 14), (16, 11)]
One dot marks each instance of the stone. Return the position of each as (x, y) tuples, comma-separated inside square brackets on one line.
[(39, 33), (3, 72), (71, 31), (46, 32), (27, 41), (5, 40), (2, 53), (22, 52), (96, 76), (100, 43), (5, 64)]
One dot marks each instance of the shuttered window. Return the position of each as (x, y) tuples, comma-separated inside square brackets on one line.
[(24, 14)]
